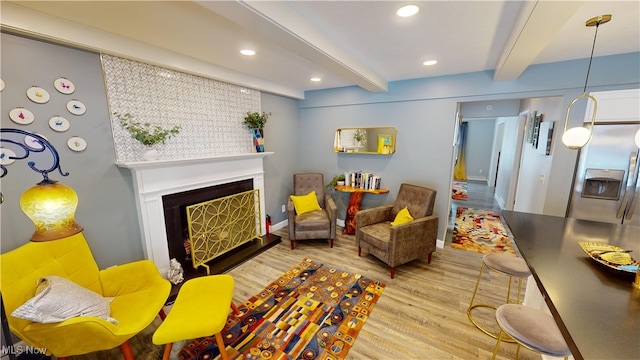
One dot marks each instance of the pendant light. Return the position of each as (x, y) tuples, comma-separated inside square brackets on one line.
[(577, 137)]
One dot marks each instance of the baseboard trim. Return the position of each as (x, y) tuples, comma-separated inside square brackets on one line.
[(477, 178)]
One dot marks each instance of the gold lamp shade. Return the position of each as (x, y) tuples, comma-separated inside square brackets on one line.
[(51, 206)]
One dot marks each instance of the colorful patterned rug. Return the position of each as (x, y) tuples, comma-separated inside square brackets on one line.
[(480, 231), (313, 311), (459, 190)]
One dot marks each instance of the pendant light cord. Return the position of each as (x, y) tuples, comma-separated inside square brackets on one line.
[(591, 58)]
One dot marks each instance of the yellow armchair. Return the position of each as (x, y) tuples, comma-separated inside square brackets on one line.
[(138, 289)]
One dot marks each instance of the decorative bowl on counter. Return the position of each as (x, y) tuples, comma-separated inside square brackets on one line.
[(613, 257)]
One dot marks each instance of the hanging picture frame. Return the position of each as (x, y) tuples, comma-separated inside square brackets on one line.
[(545, 138), (536, 130), (531, 117)]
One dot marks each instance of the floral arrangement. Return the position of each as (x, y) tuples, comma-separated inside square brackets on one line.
[(146, 133), (256, 120)]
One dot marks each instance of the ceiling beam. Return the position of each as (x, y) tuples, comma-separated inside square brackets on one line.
[(536, 27), (279, 23)]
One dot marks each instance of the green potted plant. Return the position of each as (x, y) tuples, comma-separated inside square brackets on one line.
[(337, 180), (146, 133), (256, 120)]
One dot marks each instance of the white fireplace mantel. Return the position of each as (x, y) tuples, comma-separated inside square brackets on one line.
[(154, 179)]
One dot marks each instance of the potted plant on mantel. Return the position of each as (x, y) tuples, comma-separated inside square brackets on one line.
[(255, 121), (147, 134)]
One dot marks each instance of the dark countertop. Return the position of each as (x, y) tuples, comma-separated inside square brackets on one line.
[(596, 308)]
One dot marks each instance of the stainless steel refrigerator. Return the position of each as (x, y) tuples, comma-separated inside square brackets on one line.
[(606, 186)]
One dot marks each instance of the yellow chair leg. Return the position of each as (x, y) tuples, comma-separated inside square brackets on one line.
[(167, 351), (221, 347)]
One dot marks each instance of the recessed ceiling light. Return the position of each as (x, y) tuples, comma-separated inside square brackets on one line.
[(247, 52), (315, 79), (430, 62), (408, 10)]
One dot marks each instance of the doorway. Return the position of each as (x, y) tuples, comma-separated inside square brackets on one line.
[(492, 154)]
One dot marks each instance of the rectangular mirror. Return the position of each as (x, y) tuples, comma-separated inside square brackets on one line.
[(366, 140)]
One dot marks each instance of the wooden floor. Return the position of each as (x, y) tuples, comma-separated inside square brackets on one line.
[(421, 314), (480, 196)]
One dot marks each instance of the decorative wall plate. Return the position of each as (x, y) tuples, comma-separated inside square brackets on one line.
[(5, 155), (38, 95), (21, 116), (33, 143), (76, 143), (64, 86), (58, 123), (1, 85), (76, 107)]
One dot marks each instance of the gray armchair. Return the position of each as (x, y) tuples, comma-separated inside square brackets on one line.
[(319, 224), (397, 245)]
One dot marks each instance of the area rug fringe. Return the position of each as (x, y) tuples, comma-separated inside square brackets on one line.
[(312, 311), (480, 231)]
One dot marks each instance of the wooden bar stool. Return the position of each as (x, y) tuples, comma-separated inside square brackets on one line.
[(531, 328), (505, 264), (201, 309)]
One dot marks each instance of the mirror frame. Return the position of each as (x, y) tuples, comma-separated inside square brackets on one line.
[(384, 138)]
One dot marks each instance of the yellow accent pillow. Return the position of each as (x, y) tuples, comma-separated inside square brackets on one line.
[(305, 203), (402, 217)]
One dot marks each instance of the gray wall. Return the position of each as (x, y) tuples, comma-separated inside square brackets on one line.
[(106, 206), (281, 135), (424, 111), (478, 148)]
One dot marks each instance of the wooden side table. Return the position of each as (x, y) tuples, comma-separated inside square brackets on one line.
[(354, 205)]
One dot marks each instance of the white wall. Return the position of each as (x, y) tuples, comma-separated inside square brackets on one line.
[(534, 175)]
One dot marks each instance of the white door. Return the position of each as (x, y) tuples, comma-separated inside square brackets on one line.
[(509, 166)]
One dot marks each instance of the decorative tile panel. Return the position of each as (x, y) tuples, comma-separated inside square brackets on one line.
[(209, 112)]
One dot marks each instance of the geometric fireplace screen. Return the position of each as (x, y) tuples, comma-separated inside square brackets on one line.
[(220, 225)]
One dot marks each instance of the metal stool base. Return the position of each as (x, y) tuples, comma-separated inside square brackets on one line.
[(480, 327)]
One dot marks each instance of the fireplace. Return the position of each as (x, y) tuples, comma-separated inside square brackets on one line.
[(176, 219), (157, 180)]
